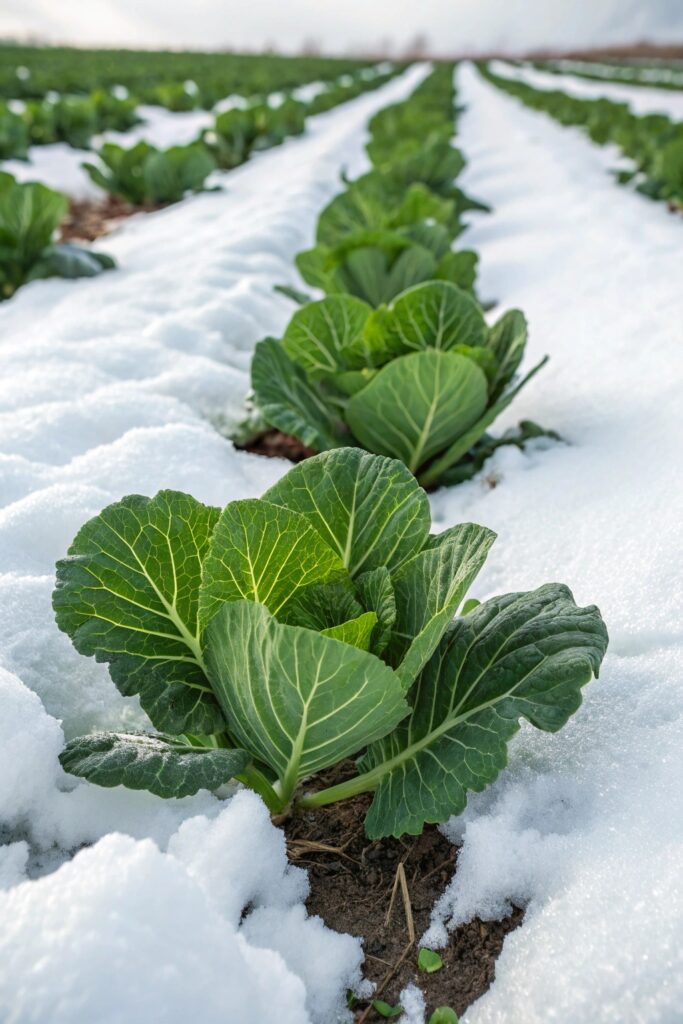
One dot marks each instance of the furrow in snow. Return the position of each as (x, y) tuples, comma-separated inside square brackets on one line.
[(640, 98), (109, 384), (585, 828)]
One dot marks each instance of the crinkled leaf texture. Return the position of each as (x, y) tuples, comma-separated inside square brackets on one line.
[(436, 314), (263, 552), (519, 655), (164, 765), (297, 701), (417, 404), (128, 595), (289, 401), (323, 337), (420, 380), (428, 591), (369, 510)]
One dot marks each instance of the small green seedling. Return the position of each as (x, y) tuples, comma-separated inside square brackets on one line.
[(429, 961), (444, 1015), (385, 1010)]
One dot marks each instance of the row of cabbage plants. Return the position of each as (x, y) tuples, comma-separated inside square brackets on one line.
[(30, 213), (76, 119), (653, 142), (655, 76), (176, 80), (273, 639), (398, 357)]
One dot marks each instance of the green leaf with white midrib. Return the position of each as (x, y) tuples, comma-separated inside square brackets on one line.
[(437, 315), (429, 589), (128, 594), (266, 553), (319, 336), (417, 404), (524, 655), (298, 701), (466, 441), (370, 510), (163, 765)]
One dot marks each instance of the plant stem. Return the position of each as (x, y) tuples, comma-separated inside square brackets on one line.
[(342, 791), (257, 781)]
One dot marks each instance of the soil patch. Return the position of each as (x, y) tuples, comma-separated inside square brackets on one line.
[(276, 445), (89, 219), (352, 880)]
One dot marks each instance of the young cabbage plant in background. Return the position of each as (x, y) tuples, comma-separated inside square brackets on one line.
[(29, 217), (272, 639), (420, 380), (145, 175)]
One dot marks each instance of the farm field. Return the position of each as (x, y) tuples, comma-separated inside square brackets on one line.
[(272, 743)]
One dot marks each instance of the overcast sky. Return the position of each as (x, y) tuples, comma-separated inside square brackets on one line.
[(450, 26)]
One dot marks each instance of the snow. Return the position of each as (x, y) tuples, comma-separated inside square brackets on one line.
[(585, 828), (161, 127), (58, 166), (110, 386), (629, 73), (641, 99), (412, 1002), (117, 384)]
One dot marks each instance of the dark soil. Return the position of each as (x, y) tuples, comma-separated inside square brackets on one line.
[(352, 880), (273, 444), (89, 219)]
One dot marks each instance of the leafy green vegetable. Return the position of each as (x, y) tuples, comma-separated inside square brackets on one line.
[(239, 132), (146, 175), (429, 961), (282, 686), (276, 638), (164, 765), (420, 380), (13, 135), (444, 1015), (518, 655), (129, 594), (29, 217), (385, 1009)]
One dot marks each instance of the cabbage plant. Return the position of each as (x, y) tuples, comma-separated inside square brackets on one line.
[(276, 637), (145, 175), (420, 380), (380, 237), (29, 217), (14, 138), (239, 132)]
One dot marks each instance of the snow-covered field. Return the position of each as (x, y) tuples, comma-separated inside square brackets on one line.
[(586, 828), (641, 99), (111, 386), (116, 384)]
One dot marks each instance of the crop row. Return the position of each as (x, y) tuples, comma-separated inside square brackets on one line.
[(30, 214), (76, 119), (397, 358), (653, 142), (274, 638), (630, 74), (160, 77)]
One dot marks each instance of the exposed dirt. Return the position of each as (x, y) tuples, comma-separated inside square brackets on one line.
[(352, 881), (274, 444), (89, 219)]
